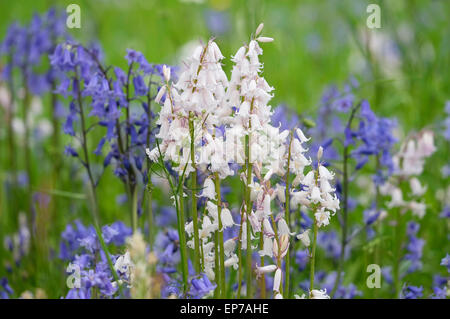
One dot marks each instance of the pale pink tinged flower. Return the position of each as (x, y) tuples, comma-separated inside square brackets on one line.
[(267, 247), (319, 294), (418, 208), (315, 195), (209, 189), (396, 198), (320, 153), (160, 94), (302, 136), (264, 270), (254, 222), (153, 154), (229, 246), (304, 238), (416, 187), (166, 73), (299, 198), (325, 186), (267, 210), (284, 245), (322, 217), (297, 147), (233, 261), (425, 144), (283, 228), (259, 29), (280, 192), (227, 219), (264, 39), (309, 179), (277, 280), (324, 173), (268, 227), (189, 228)]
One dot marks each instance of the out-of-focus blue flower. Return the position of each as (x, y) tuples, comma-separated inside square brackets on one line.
[(284, 118), (116, 233), (439, 293), (5, 289), (376, 135), (411, 292), (327, 281), (446, 132), (167, 216), (218, 22), (302, 259), (446, 262), (414, 247), (445, 213), (200, 286), (27, 48), (81, 247), (167, 250), (387, 274), (329, 241)]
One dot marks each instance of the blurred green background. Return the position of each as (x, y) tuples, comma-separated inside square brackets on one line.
[(403, 69), (403, 66)]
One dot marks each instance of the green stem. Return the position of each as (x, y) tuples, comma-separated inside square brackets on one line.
[(287, 217), (150, 212), (222, 251), (313, 257), (134, 213), (181, 232), (261, 247), (28, 167), (277, 238), (194, 195), (240, 273), (397, 250), (248, 207), (218, 277)]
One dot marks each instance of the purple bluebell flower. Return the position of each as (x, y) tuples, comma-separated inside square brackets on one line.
[(5, 289), (200, 286), (330, 242), (446, 262), (445, 212), (166, 216), (284, 118), (414, 247), (411, 292), (302, 259), (439, 293), (218, 22)]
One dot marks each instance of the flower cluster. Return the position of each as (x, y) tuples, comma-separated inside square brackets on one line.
[(81, 247), (409, 162)]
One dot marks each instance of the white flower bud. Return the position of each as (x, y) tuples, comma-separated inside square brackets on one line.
[(160, 94), (166, 73), (277, 280), (320, 153), (304, 238), (264, 39), (209, 189), (319, 294), (259, 29)]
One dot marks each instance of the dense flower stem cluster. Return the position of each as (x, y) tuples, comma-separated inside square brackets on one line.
[(198, 122)]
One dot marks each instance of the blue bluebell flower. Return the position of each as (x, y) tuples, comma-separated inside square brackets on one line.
[(411, 292)]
